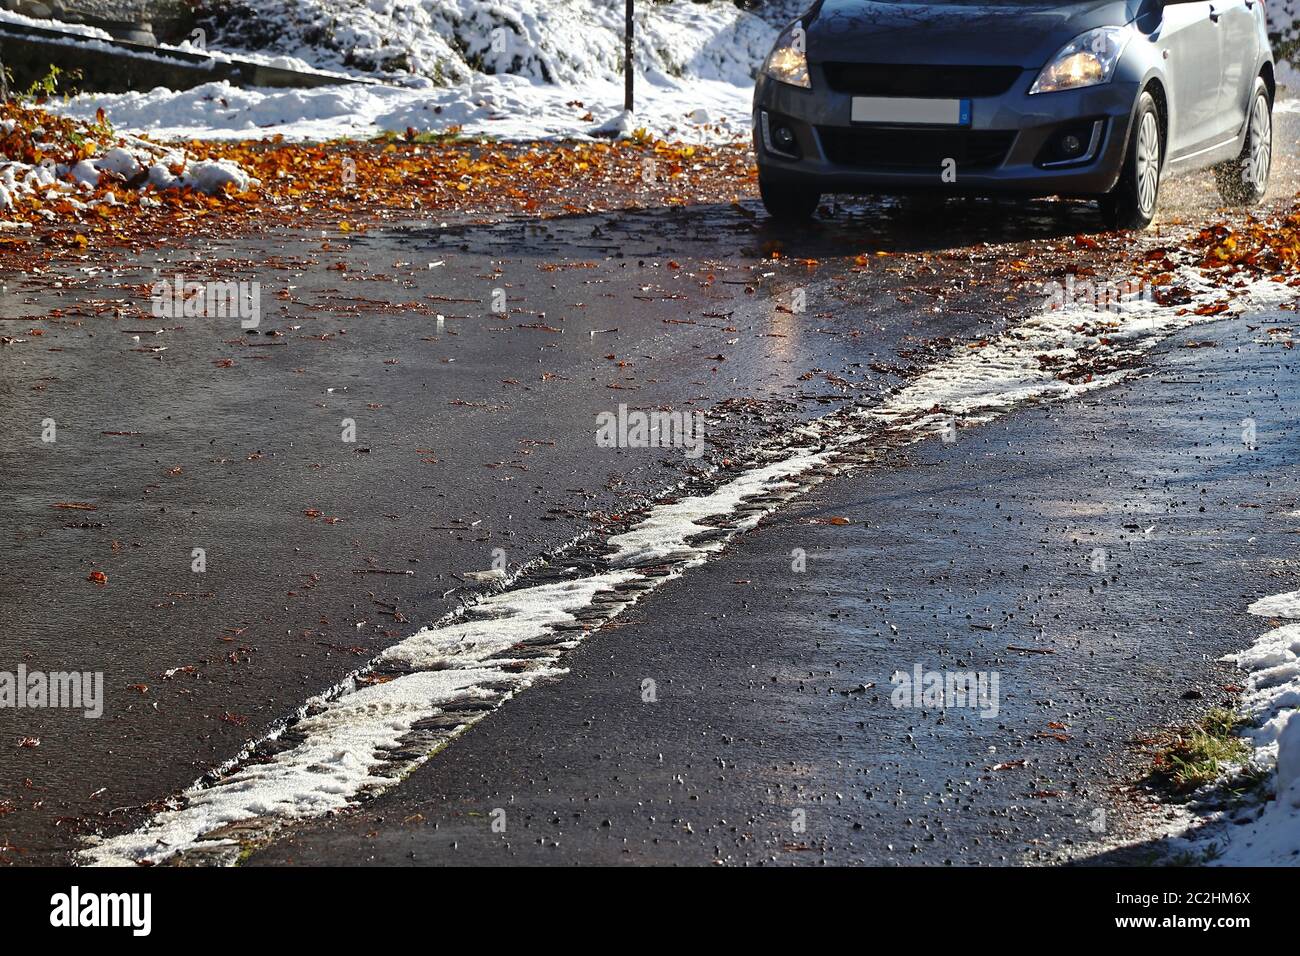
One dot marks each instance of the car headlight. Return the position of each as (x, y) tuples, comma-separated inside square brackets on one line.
[(788, 61), (1087, 60)]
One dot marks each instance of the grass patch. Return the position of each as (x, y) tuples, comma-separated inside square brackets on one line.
[(1188, 858), (451, 134), (1203, 753)]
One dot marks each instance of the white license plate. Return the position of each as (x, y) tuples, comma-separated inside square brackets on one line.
[(910, 111)]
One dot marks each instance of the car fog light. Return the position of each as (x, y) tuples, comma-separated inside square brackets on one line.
[(778, 136), (1077, 143)]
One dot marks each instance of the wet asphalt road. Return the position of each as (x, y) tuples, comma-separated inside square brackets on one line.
[(773, 687), (473, 433)]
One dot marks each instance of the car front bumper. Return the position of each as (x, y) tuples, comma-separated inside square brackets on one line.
[(1007, 146)]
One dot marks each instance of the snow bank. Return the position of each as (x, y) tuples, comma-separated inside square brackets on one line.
[(1284, 29), (1284, 21), (530, 69), (508, 107), (548, 41)]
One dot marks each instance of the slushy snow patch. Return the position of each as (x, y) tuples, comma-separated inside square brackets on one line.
[(1278, 605), (214, 175), (346, 737)]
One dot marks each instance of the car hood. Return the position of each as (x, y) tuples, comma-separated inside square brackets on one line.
[(996, 34)]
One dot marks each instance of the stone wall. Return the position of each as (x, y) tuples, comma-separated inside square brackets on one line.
[(139, 20)]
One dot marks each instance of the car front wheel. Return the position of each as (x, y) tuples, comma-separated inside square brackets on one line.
[(787, 202), (1132, 203), (1244, 181)]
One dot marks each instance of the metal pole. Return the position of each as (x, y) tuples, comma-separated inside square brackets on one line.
[(627, 58)]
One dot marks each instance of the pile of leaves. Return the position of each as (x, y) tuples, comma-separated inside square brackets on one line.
[(403, 177), (1263, 247), (1233, 256), (351, 185), (29, 135), (64, 183)]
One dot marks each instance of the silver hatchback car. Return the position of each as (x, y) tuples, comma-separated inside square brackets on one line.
[(1099, 98)]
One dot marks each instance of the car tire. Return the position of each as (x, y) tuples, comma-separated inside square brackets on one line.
[(787, 202), (1244, 181), (1132, 203)]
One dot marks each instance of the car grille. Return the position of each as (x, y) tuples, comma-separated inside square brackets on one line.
[(895, 148), (890, 79)]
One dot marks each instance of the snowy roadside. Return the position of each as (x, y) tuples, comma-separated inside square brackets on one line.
[(505, 107)]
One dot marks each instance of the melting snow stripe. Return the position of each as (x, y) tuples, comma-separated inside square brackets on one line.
[(416, 696)]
